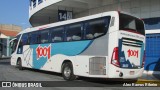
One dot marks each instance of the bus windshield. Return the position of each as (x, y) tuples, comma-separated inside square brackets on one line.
[(130, 23), (13, 44)]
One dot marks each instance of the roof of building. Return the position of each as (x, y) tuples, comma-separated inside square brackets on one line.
[(9, 33)]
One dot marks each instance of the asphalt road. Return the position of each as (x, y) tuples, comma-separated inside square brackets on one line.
[(10, 73)]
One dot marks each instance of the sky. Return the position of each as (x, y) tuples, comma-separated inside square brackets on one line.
[(15, 12)]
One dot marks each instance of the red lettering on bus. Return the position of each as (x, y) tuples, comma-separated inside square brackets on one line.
[(133, 53), (43, 52)]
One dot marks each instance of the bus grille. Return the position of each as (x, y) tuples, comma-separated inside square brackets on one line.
[(132, 42), (97, 66)]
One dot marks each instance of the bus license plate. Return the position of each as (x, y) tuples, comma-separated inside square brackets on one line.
[(131, 72)]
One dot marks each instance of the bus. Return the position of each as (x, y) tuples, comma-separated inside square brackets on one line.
[(105, 45)]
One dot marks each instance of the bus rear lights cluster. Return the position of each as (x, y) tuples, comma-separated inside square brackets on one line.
[(115, 57)]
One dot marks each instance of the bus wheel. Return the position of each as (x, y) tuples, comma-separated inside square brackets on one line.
[(67, 71), (19, 64)]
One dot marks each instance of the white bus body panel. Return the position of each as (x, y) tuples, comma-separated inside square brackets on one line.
[(81, 62)]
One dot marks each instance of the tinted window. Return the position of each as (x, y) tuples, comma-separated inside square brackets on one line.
[(33, 38), (13, 45), (74, 32), (96, 28), (44, 36), (57, 34), (34, 3), (24, 39), (131, 23), (40, 1), (17, 37)]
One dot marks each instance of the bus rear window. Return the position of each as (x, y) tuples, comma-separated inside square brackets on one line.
[(131, 23)]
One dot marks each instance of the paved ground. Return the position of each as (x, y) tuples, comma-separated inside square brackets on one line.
[(10, 73), (149, 77)]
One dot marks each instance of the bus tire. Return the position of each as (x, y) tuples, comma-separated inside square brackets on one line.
[(19, 64), (67, 71)]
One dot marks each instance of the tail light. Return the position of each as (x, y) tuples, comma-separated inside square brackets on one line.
[(115, 57), (144, 57)]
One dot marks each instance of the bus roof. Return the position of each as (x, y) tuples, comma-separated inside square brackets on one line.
[(61, 23)]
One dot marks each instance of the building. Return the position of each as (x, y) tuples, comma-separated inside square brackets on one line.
[(48, 11), (7, 32)]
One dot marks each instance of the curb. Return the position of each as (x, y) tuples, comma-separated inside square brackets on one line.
[(144, 80)]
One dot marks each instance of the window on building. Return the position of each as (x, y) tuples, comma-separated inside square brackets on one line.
[(40, 1), (152, 23), (74, 32), (57, 34), (34, 3)]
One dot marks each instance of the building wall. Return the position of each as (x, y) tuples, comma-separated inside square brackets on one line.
[(4, 38), (140, 8), (152, 52), (2, 47), (10, 27), (39, 6)]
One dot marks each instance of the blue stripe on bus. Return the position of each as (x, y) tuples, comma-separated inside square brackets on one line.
[(70, 48), (65, 48)]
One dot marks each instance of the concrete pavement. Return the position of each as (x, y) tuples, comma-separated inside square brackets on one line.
[(145, 76), (10, 73), (150, 77)]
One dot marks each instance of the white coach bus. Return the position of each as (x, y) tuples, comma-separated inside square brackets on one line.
[(105, 45)]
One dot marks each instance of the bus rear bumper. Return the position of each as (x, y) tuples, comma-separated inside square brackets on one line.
[(126, 73)]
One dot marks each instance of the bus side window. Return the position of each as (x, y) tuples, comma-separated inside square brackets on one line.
[(20, 47), (33, 37), (44, 36), (74, 32), (24, 39), (95, 28), (57, 34), (29, 38)]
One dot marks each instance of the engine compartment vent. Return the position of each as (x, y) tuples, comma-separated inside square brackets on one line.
[(97, 66)]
